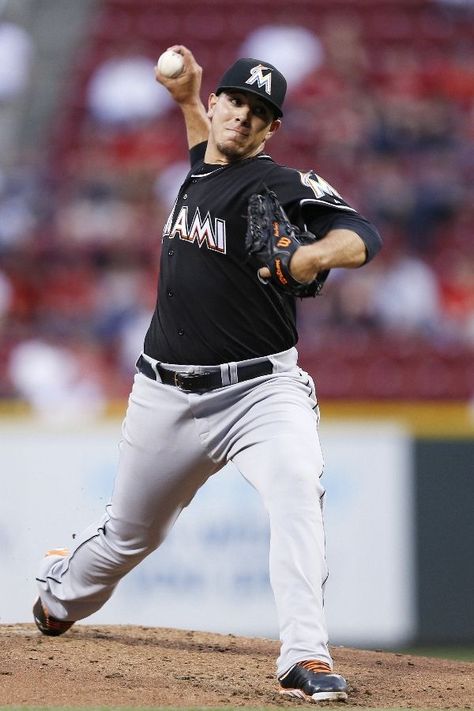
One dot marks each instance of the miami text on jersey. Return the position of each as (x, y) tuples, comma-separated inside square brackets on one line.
[(208, 232)]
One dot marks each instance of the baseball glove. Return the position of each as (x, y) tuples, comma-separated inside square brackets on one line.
[(272, 240)]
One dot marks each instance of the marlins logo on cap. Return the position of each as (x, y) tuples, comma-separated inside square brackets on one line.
[(263, 80), (256, 77)]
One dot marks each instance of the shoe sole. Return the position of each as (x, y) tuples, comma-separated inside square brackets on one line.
[(321, 696)]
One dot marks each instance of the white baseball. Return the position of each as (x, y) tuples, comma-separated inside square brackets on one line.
[(170, 64)]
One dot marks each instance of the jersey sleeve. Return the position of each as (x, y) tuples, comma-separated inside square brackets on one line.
[(313, 204), (308, 190), (321, 224)]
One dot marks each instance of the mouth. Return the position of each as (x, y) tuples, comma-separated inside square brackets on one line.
[(239, 131)]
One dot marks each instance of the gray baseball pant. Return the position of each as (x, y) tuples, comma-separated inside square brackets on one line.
[(172, 441)]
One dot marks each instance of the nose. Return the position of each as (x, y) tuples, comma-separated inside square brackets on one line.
[(244, 113)]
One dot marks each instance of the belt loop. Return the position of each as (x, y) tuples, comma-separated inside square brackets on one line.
[(225, 374), (153, 365), (233, 373)]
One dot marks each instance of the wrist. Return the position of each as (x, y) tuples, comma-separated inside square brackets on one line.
[(304, 264), (191, 104)]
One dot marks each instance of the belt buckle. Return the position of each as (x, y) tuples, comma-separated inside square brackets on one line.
[(182, 379)]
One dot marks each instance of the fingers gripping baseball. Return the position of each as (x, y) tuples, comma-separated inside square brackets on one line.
[(183, 80)]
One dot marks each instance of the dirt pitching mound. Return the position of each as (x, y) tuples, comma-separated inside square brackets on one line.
[(142, 666)]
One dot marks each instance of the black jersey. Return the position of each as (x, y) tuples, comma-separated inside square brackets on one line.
[(211, 306)]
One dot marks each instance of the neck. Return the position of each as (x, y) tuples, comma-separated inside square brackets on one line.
[(216, 159), (215, 155)]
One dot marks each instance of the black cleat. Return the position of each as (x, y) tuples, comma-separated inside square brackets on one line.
[(313, 681), (45, 623), (49, 625)]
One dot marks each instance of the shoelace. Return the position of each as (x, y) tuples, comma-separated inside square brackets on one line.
[(316, 666)]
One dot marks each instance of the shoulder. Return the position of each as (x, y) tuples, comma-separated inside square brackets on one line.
[(307, 189), (196, 153)]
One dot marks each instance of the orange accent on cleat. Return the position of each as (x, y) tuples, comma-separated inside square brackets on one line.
[(316, 666), (57, 551)]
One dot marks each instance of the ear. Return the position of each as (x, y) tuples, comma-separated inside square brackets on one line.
[(211, 102), (274, 126)]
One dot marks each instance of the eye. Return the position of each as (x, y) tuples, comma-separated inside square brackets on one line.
[(262, 112)]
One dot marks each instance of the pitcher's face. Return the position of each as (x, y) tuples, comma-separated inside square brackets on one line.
[(240, 124)]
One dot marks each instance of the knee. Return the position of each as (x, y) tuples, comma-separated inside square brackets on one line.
[(296, 482)]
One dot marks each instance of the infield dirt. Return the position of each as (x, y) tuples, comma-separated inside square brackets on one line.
[(145, 667)]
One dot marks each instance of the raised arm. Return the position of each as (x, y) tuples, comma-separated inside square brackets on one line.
[(185, 90)]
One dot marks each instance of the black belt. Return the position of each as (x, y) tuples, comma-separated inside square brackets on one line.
[(203, 381)]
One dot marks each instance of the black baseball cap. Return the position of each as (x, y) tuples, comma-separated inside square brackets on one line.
[(256, 77)]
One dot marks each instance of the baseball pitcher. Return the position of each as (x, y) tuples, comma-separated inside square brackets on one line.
[(218, 379)]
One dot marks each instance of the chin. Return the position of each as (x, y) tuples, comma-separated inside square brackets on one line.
[(232, 152)]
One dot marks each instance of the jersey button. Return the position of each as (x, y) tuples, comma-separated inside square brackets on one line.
[(170, 292), (180, 332), (185, 196), (171, 252)]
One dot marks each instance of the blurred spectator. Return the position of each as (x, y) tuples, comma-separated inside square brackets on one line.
[(96, 217), (345, 54), (457, 296), (168, 182), (55, 381), (131, 339), (6, 296), (16, 53), (296, 51), (457, 3), (121, 297), (123, 91), (330, 114), (22, 204), (438, 193), (407, 296)]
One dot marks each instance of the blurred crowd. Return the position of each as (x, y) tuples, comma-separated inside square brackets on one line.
[(80, 222)]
